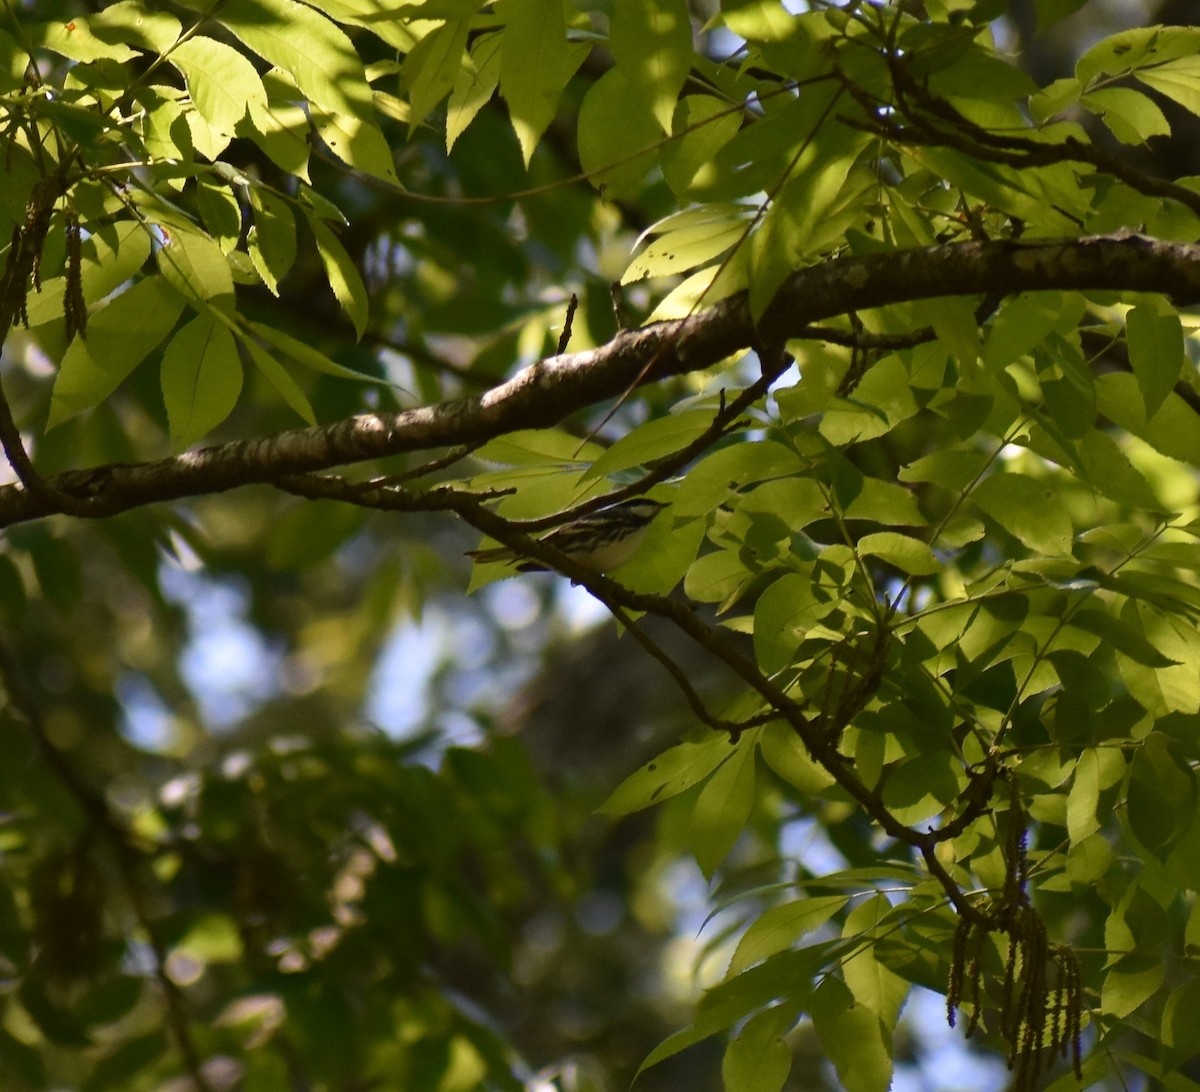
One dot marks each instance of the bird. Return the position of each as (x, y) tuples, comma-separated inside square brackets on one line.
[(601, 541)]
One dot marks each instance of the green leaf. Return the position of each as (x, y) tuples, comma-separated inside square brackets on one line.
[(319, 57), (120, 336), (922, 786), (781, 927), (723, 472), (1055, 98), (796, 501), (1088, 861), (1156, 352), (1120, 635), (474, 86), (75, 39), (950, 467), (1084, 798), (668, 775), (1133, 118), (953, 320), (537, 447), (356, 142), (909, 555), (194, 265), (13, 63), (220, 212), (221, 82), (618, 140), (853, 1038), (323, 63), (687, 243), (1178, 80), (343, 276), (279, 378), (129, 21), (723, 806), (305, 354), (882, 400), (1132, 981), (1161, 689), (664, 557), (759, 1060), (1118, 397), (533, 66), (56, 564), (280, 127), (201, 379), (785, 613), (1110, 471), (788, 974), (651, 41), (1025, 321), (759, 20), (432, 67), (1050, 12), (652, 440), (789, 759), (271, 242), (1133, 49), (707, 124), (1161, 796), (110, 256), (1180, 1018), (873, 985), (1028, 508), (807, 215)]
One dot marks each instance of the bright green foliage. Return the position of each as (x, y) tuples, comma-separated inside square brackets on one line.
[(940, 563)]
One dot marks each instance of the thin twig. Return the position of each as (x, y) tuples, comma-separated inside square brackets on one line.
[(732, 728), (564, 339)]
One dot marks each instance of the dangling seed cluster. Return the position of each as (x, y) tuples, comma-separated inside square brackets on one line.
[(1038, 1020), (74, 307), (18, 288)]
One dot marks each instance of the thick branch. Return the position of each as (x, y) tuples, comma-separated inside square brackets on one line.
[(548, 391)]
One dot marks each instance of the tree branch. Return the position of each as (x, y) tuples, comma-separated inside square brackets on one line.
[(813, 731), (546, 392)]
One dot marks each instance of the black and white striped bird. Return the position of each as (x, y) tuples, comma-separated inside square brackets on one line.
[(602, 540)]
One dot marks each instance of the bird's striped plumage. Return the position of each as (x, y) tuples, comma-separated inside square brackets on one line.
[(603, 540)]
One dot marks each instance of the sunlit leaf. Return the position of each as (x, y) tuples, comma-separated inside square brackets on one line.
[(651, 41), (120, 336), (667, 775), (853, 1038), (723, 806), (201, 379), (222, 83), (1028, 509)]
